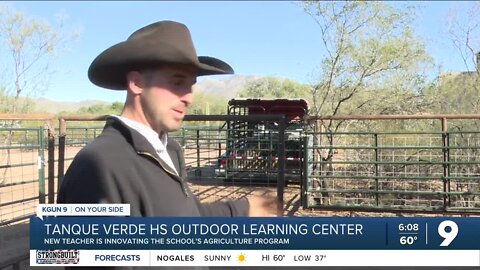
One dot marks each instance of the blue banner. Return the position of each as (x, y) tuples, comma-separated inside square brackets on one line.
[(289, 233)]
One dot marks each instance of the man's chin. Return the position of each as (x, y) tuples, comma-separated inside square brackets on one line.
[(175, 126)]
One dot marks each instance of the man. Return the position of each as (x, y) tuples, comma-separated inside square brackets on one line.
[(134, 161)]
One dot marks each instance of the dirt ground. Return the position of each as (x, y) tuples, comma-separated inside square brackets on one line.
[(292, 204)]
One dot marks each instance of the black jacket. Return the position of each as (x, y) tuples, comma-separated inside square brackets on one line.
[(121, 166)]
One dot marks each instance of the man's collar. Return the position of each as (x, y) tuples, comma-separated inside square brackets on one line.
[(158, 141)]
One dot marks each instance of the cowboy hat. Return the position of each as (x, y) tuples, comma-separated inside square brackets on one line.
[(160, 42)]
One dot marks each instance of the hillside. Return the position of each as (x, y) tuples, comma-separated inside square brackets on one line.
[(52, 106), (227, 87)]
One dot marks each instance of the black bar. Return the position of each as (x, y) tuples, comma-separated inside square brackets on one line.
[(445, 170), (304, 175), (61, 159), (376, 169), (19, 201), (448, 169), (198, 149), (41, 166), (51, 166), (281, 160), (254, 118)]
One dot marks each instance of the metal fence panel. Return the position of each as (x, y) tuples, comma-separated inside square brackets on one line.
[(23, 185), (425, 171), (22, 172)]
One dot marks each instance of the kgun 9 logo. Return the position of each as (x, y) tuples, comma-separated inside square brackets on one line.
[(448, 235)]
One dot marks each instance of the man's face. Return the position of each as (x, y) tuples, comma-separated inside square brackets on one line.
[(166, 96)]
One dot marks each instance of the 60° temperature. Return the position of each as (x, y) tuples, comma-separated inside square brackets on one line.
[(408, 240)]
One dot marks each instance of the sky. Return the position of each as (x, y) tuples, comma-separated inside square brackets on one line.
[(274, 38)]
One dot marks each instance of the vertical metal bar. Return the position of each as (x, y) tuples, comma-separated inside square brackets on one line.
[(61, 151), (447, 134), (271, 155), (228, 147), (41, 165), (183, 137), (198, 148), (281, 160), (219, 142), (376, 169), (304, 183), (445, 162), (51, 165)]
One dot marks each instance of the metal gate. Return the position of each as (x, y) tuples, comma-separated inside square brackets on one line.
[(252, 145), (359, 168), (26, 163)]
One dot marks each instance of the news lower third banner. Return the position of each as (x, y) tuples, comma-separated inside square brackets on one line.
[(283, 241)]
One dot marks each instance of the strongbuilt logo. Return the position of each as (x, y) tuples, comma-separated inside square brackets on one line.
[(58, 256)]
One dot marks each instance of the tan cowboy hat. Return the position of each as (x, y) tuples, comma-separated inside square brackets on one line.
[(160, 42)]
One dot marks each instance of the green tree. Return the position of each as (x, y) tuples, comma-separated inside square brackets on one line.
[(207, 103), (29, 46), (102, 109), (373, 59), (271, 87), (458, 92), (464, 31), (369, 45), (116, 107)]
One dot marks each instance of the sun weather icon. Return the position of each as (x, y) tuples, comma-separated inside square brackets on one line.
[(241, 257)]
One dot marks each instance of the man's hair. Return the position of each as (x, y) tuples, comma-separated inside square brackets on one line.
[(147, 72)]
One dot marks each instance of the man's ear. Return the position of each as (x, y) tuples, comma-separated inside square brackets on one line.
[(135, 82)]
